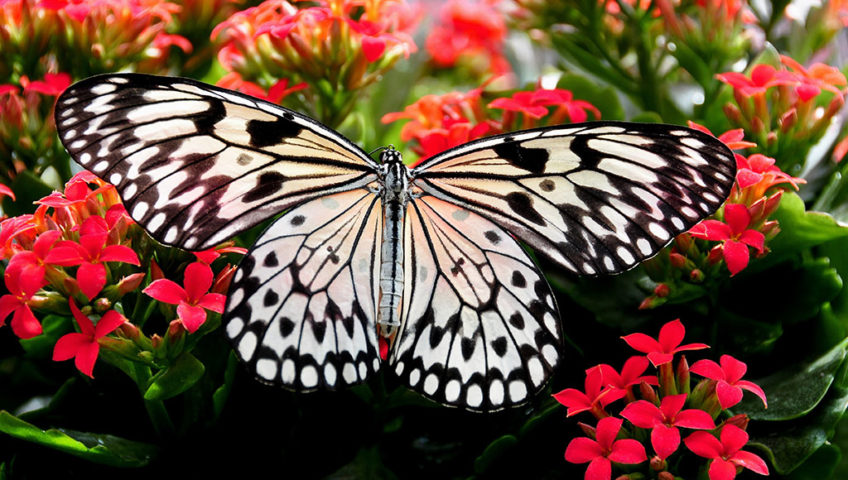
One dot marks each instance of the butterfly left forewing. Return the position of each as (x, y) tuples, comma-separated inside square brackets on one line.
[(595, 198), (480, 327), (196, 164)]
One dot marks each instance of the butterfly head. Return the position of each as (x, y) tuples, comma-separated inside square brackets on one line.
[(389, 155)]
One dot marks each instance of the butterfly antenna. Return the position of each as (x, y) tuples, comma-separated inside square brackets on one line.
[(381, 149)]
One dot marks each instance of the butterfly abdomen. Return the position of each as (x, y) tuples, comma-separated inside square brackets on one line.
[(395, 196)]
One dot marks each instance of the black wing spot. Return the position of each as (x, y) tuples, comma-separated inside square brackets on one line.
[(499, 346), (271, 298), (518, 279), (265, 134), (267, 184), (244, 159), (533, 160), (547, 185), (271, 260), (297, 220), (493, 237), (457, 266), (517, 321), (522, 204), (286, 327)]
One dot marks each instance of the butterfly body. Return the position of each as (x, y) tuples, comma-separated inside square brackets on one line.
[(427, 257)]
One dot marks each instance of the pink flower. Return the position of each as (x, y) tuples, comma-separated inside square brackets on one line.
[(664, 420), (725, 454), (89, 254), (193, 300), (606, 449), (84, 347), (662, 351), (631, 374), (22, 283), (595, 397), (728, 376), (735, 236)]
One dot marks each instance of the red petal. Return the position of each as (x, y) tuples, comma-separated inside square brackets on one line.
[(722, 470), (762, 74), (711, 230), (641, 342), (704, 444), (754, 239), (708, 369), (8, 304), (599, 469), (665, 440), (574, 399), (751, 462), (733, 439), (671, 405), (582, 450), (736, 256), (68, 346), (671, 334), (642, 413), (192, 317), (694, 418), (609, 376), (733, 368), (594, 382), (119, 253), (632, 369), (24, 323), (753, 388), (85, 324), (746, 178), (91, 278), (198, 279), (86, 357), (45, 242), (627, 451), (213, 301), (66, 254), (737, 217), (166, 291), (373, 48), (607, 430), (108, 323), (658, 358)]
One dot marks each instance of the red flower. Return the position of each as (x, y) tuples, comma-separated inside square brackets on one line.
[(631, 374), (471, 30), (734, 139), (210, 255), (812, 80), (595, 397), (606, 449), (725, 455), (762, 78), (53, 84), (84, 347), (534, 104), (728, 375), (664, 420), (760, 168), (22, 284), (193, 300), (735, 236), (662, 351), (89, 254)]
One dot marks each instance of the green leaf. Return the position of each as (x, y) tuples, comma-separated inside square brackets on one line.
[(794, 391), (800, 229), (99, 448), (493, 452), (176, 379), (819, 465), (219, 398), (789, 444)]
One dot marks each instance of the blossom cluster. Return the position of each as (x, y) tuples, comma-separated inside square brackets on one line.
[(81, 253), (335, 47), (439, 122), (658, 415)]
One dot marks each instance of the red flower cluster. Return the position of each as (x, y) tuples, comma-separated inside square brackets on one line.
[(662, 411), (439, 122), (472, 34), (329, 46), (79, 248)]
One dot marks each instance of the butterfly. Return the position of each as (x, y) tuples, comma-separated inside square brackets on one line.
[(429, 258)]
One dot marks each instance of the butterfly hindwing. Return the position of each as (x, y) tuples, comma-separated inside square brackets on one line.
[(480, 325), (302, 308), (196, 164), (595, 198)]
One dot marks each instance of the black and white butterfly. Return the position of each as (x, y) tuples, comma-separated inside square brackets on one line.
[(428, 257)]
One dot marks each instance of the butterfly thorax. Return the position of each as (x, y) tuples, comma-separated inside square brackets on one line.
[(395, 195)]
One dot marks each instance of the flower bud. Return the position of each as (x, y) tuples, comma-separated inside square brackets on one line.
[(658, 464), (683, 377), (223, 279), (102, 304), (665, 476), (662, 290), (648, 392), (677, 260), (787, 120), (696, 275), (155, 272), (740, 421), (588, 430)]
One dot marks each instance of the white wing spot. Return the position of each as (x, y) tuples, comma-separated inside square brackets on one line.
[(625, 255), (349, 373), (399, 368), (678, 223), (103, 89), (414, 377), (309, 376), (658, 231), (452, 390), (431, 384), (234, 326), (460, 215), (550, 354), (496, 392), (330, 203), (156, 221), (247, 345), (517, 391), (129, 191), (330, 374), (100, 166), (474, 396), (288, 371), (644, 246), (363, 369), (266, 368), (536, 370)]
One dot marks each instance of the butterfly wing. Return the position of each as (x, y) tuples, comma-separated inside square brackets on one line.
[(596, 197), (480, 327), (196, 164), (301, 310)]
